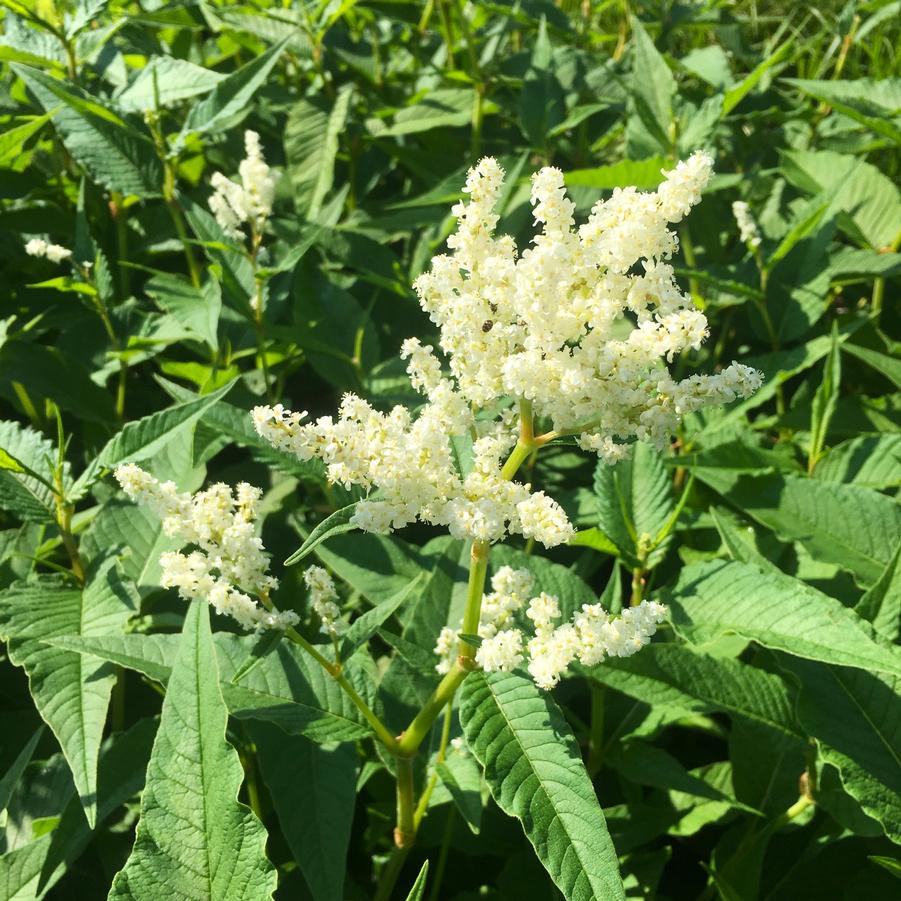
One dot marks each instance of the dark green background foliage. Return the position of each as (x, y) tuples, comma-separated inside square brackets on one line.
[(753, 751)]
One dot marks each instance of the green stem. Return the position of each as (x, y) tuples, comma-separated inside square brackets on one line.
[(876, 300), (637, 586), (426, 796), (405, 831), (478, 570), (688, 250), (596, 735)]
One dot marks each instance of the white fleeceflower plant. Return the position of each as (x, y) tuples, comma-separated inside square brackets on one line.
[(249, 203), (537, 327), (590, 637), (229, 563)]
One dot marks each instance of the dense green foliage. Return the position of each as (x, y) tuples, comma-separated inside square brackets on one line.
[(752, 751)]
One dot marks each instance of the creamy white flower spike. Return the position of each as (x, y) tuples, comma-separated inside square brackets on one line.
[(38, 247), (235, 205), (323, 597), (749, 232), (536, 327), (229, 564), (591, 636)]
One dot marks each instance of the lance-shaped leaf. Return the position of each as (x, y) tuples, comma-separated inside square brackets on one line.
[(717, 598), (286, 687), (817, 514), (533, 768), (70, 691), (366, 625), (881, 605), (680, 678), (856, 718), (417, 892), (26, 475), (114, 153), (231, 97), (312, 788), (145, 437), (194, 839), (28, 871), (335, 524)]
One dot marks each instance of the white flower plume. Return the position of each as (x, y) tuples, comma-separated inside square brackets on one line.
[(535, 326)]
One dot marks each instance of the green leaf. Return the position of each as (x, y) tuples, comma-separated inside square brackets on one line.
[(535, 773), (634, 501), (366, 625), (870, 200), (71, 693), (646, 174), (736, 94), (194, 839), (417, 891), (440, 108), (28, 871), (680, 678), (48, 373), (881, 604), (653, 87), (197, 310), (14, 773), (855, 717), (230, 99), (817, 514), (166, 81), (311, 146), (334, 524), (888, 366), (136, 535), (869, 461), (26, 473), (378, 566), (461, 777), (312, 788), (145, 437), (114, 153), (595, 539), (12, 141), (872, 103), (720, 598), (286, 688), (541, 101), (825, 399)]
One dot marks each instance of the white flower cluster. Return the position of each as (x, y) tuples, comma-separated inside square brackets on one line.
[(749, 232), (535, 327), (538, 325), (591, 636), (412, 463), (38, 247), (229, 560), (232, 204), (322, 599)]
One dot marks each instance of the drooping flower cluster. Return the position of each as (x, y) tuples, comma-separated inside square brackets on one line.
[(537, 327), (229, 563), (749, 232), (589, 637), (322, 599), (250, 202), (38, 247)]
